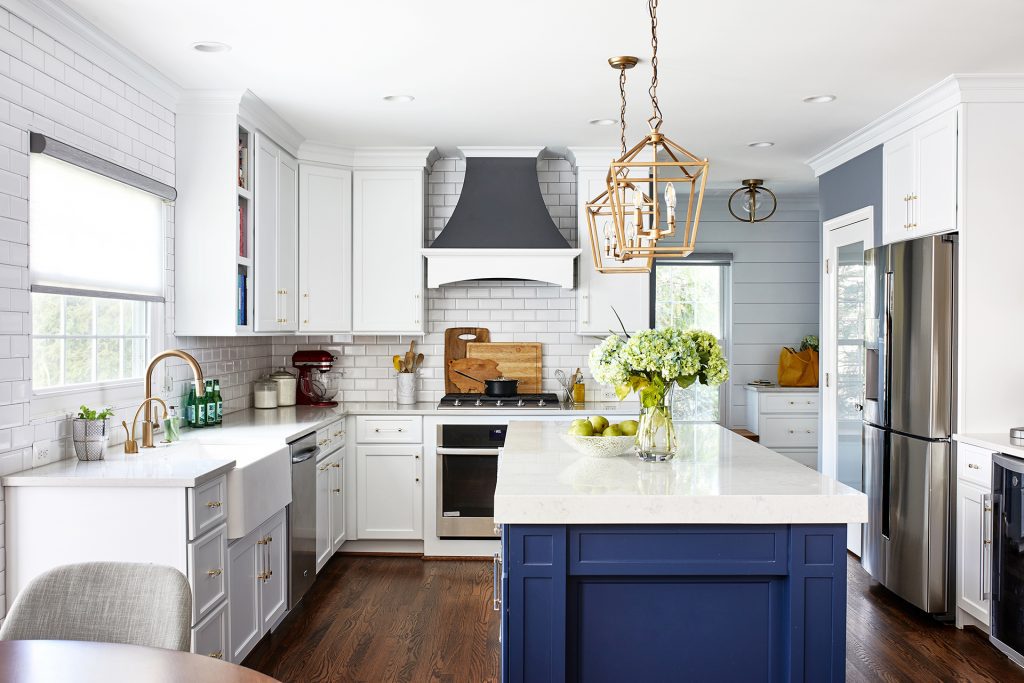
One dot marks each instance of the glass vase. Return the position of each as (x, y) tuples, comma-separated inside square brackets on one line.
[(655, 435)]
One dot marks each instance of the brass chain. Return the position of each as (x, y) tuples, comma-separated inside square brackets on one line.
[(655, 120), (622, 110)]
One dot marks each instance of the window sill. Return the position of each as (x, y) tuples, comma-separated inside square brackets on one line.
[(56, 403)]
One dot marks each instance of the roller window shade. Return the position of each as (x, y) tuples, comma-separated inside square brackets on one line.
[(92, 235)]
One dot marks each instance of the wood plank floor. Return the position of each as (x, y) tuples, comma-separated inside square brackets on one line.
[(375, 619)]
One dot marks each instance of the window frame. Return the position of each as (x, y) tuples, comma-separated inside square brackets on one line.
[(724, 262), (120, 392)]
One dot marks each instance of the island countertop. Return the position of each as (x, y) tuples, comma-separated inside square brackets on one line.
[(717, 477)]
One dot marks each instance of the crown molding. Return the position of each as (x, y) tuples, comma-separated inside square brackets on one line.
[(592, 158), (393, 157), (210, 101), (65, 25), (270, 122), (326, 153), (950, 92)]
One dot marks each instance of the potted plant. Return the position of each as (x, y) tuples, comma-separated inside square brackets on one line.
[(90, 431), (652, 363)]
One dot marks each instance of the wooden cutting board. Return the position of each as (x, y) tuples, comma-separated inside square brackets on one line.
[(517, 360), (455, 349), (481, 368)]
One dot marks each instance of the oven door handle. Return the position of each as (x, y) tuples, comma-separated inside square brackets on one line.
[(442, 450)]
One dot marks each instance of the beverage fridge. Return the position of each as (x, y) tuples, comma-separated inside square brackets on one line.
[(909, 472)]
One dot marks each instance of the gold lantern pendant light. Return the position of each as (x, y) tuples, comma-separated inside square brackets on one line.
[(642, 175), (604, 243), (753, 199)]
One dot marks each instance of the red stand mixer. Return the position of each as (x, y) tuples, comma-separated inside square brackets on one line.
[(318, 382)]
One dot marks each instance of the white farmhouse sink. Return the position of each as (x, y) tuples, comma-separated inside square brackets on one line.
[(259, 485)]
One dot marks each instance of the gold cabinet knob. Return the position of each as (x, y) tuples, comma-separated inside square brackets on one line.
[(214, 572), (216, 655), (213, 504)]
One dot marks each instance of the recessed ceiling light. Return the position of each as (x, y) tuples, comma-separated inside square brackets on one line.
[(601, 122), (763, 143), (211, 46), (819, 99), (399, 98)]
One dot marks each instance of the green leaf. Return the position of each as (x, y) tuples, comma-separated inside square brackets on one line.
[(623, 390), (686, 381)]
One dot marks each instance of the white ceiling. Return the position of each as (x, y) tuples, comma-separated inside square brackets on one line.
[(533, 72)]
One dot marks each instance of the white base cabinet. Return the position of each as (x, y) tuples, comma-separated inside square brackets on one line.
[(390, 491), (330, 506), (258, 575), (973, 535), (786, 422)]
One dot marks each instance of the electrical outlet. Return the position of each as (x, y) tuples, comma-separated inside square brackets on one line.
[(45, 452)]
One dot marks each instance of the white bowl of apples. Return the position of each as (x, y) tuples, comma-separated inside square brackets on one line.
[(597, 438)]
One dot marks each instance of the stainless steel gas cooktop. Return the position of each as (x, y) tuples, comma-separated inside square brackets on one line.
[(457, 401)]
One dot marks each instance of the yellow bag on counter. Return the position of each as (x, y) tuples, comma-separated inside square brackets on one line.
[(798, 368)]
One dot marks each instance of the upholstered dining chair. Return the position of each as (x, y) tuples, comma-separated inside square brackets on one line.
[(107, 602)]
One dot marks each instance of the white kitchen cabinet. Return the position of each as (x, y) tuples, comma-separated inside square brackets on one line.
[(338, 502), (786, 421), (275, 239), (387, 266), (325, 248), (389, 492), (974, 526), (598, 293), (258, 569), (919, 176), (323, 512)]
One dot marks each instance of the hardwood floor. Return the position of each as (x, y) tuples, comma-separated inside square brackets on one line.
[(375, 619)]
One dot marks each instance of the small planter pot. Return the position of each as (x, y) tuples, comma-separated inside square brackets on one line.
[(406, 383), (90, 438)]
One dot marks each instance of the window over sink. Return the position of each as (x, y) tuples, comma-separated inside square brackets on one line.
[(96, 269), (694, 293)]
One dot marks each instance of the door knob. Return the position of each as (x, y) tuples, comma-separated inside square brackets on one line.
[(859, 406)]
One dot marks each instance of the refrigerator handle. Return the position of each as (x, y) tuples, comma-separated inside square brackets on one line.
[(887, 294)]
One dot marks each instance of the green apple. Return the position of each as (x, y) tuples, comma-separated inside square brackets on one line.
[(581, 428), (600, 423), (612, 430), (629, 427)]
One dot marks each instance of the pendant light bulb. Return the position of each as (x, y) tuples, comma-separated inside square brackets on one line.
[(670, 198)]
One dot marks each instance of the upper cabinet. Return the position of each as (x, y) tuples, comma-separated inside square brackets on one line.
[(387, 266), (598, 293), (276, 243), (919, 175), (325, 248), (237, 185)]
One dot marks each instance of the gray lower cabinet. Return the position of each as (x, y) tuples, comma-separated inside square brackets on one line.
[(258, 575)]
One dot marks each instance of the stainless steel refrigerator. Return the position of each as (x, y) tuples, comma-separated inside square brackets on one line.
[(910, 298)]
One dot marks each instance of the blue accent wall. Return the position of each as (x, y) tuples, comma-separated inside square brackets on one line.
[(852, 186)]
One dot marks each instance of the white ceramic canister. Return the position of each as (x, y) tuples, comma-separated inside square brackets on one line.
[(264, 393), (287, 383), (406, 387)]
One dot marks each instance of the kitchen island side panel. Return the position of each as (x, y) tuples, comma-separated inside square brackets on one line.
[(598, 603)]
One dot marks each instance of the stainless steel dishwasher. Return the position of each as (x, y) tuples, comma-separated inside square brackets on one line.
[(302, 518)]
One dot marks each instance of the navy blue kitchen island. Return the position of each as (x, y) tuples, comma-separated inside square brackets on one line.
[(726, 564)]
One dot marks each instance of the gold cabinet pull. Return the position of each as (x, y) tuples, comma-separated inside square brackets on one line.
[(214, 572), (216, 655), (213, 504)]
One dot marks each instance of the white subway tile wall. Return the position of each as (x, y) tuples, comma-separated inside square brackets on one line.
[(512, 310), (48, 88)]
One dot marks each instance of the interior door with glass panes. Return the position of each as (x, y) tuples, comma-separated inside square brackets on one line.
[(842, 348)]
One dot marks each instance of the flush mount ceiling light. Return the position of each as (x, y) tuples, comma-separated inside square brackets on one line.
[(399, 98), (763, 143), (601, 122), (753, 200), (820, 99), (210, 46), (637, 180)]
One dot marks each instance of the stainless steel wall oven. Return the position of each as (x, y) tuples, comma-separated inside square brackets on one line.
[(467, 471)]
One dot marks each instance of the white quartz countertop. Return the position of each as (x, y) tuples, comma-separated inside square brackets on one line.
[(995, 442), (273, 425), (166, 466), (782, 390), (425, 408), (717, 477)]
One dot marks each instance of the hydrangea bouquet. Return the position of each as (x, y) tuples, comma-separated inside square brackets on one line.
[(652, 363)]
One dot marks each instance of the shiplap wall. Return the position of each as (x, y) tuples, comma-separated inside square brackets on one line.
[(775, 285)]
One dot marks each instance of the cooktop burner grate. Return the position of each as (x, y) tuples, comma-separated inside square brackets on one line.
[(517, 401)]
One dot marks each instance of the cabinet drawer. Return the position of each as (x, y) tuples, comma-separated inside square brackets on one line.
[(338, 433), (974, 464), (207, 571), (788, 432), (808, 457), (789, 403), (207, 506), (210, 637), (389, 429), (323, 439)]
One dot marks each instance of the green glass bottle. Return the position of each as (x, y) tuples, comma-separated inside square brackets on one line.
[(200, 411), (190, 406), (220, 401), (211, 404)]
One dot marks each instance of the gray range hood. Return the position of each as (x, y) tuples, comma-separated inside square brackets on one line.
[(500, 228)]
